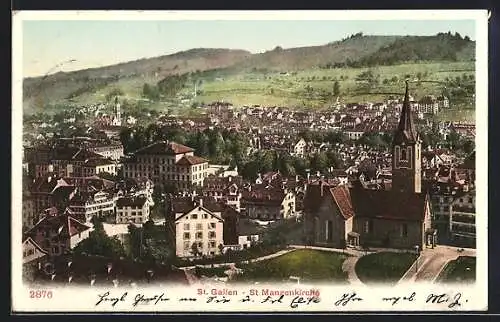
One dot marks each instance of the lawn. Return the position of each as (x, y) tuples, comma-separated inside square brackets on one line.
[(309, 265), (384, 267), (461, 270)]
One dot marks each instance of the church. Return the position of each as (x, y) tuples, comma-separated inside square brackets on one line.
[(398, 217)]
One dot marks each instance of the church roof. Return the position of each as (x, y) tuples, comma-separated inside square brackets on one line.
[(405, 131), (391, 205)]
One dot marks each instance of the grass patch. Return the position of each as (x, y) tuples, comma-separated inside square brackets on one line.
[(309, 265), (211, 271), (461, 270), (384, 267)]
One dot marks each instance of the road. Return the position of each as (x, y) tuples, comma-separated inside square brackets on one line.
[(432, 261)]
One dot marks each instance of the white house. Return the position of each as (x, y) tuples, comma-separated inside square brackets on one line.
[(132, 209), (198, 226)]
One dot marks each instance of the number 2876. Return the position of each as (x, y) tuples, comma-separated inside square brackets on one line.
[(40, 294)]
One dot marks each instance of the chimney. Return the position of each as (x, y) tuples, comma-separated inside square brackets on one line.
[(49, 178), (200, 204), (51, 168), (297, 178)]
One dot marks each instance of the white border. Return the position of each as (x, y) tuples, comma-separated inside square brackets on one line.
[(19, 297)]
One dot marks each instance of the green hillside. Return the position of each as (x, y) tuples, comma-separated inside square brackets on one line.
[(300, 77)]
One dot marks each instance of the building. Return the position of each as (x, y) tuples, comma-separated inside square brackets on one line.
[(463, 219), (224, 189), (34, 258), (94, 167), (354, 215), (57, 234), (264, 202), (167, 164), (299, 148), (45, 192), (199, 227), (87, 204), (132, 209)]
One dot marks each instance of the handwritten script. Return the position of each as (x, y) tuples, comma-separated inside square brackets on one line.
[(353, 299)]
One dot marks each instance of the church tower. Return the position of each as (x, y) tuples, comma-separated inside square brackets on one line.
[(117, 121), (406, 153)]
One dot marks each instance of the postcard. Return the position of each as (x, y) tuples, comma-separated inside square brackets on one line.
[(239, 161)]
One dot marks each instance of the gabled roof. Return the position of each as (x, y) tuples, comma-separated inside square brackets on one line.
[(342, 199), (191, 160), (213, 212), (392, 205), (65, 225), (163, 147), (29, 240)]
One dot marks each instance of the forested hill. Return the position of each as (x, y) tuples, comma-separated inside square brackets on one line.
[(441, 47)]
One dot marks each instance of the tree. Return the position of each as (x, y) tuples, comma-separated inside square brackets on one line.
[(99, 243), (336, 88)]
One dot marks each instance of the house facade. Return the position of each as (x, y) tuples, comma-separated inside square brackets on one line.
[(167, 163), (199, 229), (463, 219), (58, 234), (132, 209)]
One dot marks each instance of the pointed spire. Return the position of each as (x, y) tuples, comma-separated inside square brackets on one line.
[(406, 129)]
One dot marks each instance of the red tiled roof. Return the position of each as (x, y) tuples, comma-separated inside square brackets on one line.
[(191, 160), (342, 198), (163, 147)]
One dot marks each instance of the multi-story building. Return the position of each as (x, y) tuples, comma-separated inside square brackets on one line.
[(167, 164), (132, 209), (45, 192), (463, 219), (199, 227), (224, 189), (57, 234), (87, 204), (95, 166), (268, 203)]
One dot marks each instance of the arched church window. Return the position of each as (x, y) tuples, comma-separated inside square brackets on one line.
[(403, 155)]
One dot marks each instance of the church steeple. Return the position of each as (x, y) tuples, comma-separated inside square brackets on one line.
[(406, 148), (406, 129)]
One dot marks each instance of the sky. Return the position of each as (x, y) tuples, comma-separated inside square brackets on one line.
[(78, 44)]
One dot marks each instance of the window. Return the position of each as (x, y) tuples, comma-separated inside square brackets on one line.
[(199, 235), (212, 243), (403, 155), (187, 236), (368, 226), (194, 216), (186, 226), (199, 227), (205, 216), (187, 245), (211, 225), (249, 238), (329, 230), (55, 249), (404, 230), (200, 245), (471, 200), (211, 234)]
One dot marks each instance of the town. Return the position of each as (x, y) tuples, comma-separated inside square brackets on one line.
[(114, 198)]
